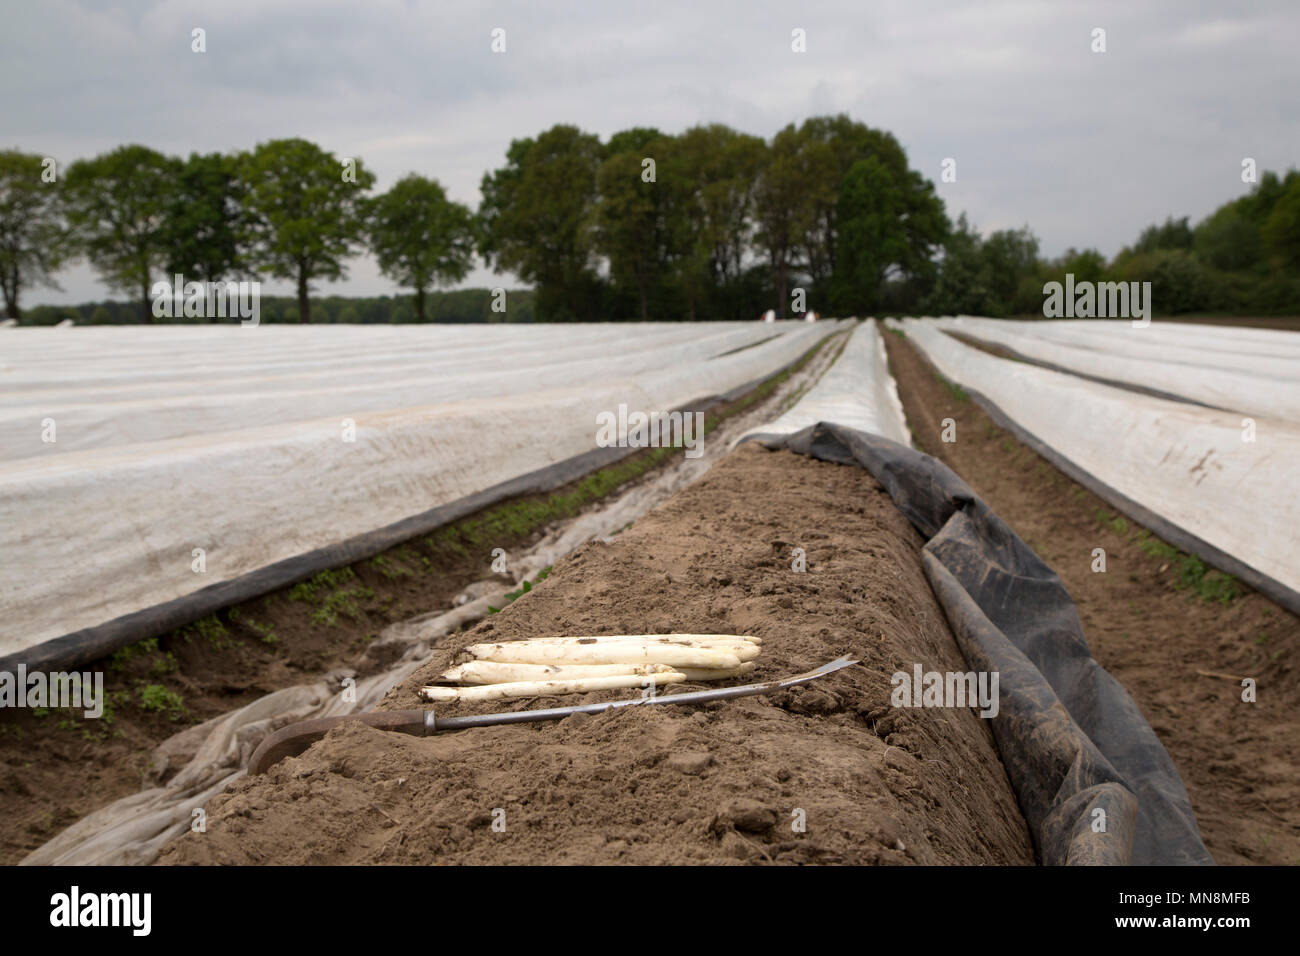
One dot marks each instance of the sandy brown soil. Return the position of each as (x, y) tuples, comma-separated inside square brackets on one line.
[(1240, 761), (721, 783)]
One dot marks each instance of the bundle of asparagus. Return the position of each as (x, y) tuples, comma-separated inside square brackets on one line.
[(546, 666)]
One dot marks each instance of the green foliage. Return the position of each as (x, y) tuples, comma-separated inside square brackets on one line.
[(334, 592), (344, 601), (321, 583), (953, 389), (1172, 234), (389, 569), (123, 656), (1190, 572), (214, 632), (1228, 239), (159, 699), (304, 218), (728, 226), (527, 586), (962, 287), (420, 238), (1179, 283), (714, 170), (204, 232), (631, 226), (1281, 230), (117, 205), (265, 633), (33, 236), (534, 219)]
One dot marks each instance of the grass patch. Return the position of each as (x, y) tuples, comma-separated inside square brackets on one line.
[(333, 592), (389, 569), (314, 589), (956, 391), (214, 632), (1190, 572), (125, 655), (159, 699), (527, 586), (343, 601)]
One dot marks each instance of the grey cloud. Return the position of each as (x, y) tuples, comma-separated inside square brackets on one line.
[(1087, 149)]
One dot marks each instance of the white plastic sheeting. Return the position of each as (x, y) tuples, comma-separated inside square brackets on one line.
[(236, 440), (857, 391), (1253, 371), (1186, 464)]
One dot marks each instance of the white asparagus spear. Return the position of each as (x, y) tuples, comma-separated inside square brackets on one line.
[(744, 650), (618, 652), (494, 672), (717, 673), (547, 688), (667, 638)]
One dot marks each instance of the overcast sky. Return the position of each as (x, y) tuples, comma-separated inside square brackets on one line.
[(1086, 148)]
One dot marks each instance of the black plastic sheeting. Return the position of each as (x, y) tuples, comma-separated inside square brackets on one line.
[(1071, 738)]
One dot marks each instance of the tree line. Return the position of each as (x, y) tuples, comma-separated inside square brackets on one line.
[(1241, 259), (707, 223), (286, 209)]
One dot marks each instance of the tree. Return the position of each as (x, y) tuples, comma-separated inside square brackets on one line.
[(831, 167), (779, 210), (534, 218), (420, 237), (305, 217), (887, 227), (1229, 239), (962, 287), (117, 204), (1009, 255), (713, 171), (632, 224), (1172, 234), (1281, 230), (1178, 280), (204, 229), (33, 239), (906, 218), (1086, 265)]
